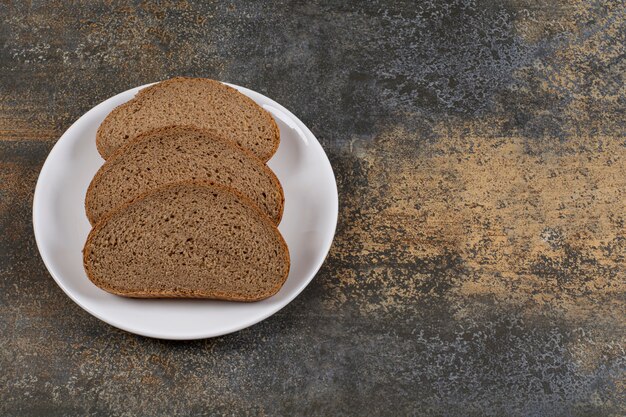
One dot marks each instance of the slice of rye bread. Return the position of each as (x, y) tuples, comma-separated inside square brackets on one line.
[(174, 154), (187, 240), (196, 102)]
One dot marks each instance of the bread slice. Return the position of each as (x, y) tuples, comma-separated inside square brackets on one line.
[(196, 102), (191, 240), (174, 154)]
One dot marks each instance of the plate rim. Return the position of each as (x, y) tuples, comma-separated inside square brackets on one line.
[(326, 246)]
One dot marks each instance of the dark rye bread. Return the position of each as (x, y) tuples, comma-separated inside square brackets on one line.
[(196, 102), (190, 240), (175, 154)]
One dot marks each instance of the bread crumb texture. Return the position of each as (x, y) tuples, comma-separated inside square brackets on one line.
[(176, 154), (197, 102), (188, 240)]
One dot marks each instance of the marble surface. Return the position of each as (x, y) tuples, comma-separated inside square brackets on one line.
[(479, 262)]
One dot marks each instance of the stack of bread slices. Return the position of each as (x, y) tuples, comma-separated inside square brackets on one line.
[(185, 205)]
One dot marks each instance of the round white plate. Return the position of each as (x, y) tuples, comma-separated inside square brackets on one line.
[(61, 228)]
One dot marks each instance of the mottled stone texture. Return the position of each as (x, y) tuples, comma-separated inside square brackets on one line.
[(479, 262)]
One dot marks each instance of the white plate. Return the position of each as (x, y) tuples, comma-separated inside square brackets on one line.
[(61, 227)]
